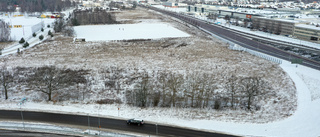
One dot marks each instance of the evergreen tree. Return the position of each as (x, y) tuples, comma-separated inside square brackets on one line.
[(49, 33), (34, 34), (41, 37), (22, 40), (75, 22), (26, 45)]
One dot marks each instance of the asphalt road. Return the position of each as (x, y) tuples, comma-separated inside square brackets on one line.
[(239, 39), (107, 123)]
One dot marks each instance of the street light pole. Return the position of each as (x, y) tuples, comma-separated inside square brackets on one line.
[(88, 124), (156, 129), (22, 117)]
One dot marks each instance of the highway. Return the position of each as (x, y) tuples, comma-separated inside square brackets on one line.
[(239, 39), (117, 124)]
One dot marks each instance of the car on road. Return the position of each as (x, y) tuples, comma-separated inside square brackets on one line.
[(135, 121)]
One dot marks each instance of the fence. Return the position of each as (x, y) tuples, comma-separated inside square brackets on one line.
[(259, 54)]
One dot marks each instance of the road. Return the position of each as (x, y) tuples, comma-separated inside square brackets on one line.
[(239, 39), (82, 120), (31, 40)]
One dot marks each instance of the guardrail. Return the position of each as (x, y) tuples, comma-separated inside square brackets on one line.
[(259, 54), (44, 128)]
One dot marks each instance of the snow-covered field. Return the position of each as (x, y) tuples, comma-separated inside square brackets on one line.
[(127, 32), (275, 119), (304, 122)]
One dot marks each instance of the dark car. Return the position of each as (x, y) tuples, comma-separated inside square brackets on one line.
[(135, 121)]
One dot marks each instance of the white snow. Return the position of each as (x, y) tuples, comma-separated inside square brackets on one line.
[(304, 122), (26, 22), (127, 32)]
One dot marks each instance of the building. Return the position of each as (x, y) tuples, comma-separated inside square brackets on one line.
[(174, 5), (307, 32), (202, 9), (275, 26)]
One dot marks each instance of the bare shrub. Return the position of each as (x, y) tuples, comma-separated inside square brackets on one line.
[(109, 101)]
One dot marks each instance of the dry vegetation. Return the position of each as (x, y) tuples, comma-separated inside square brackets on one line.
[(197, 54), (5, 44)]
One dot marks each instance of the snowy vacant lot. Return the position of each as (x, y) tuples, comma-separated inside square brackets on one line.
[(127, 32), (126, 62)]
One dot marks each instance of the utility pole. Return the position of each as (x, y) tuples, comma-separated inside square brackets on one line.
[(156, 129), (88, 124), (21, 102), (22, 117)]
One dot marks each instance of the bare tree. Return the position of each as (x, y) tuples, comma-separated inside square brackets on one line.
[(35, 5), (96, 16), (232, 88), (253, 87), (5, 79), (142, 92), (163, 86), (191, 88), (60, 25), (174, 83), (211, 85), (49, 79), (4, 31)]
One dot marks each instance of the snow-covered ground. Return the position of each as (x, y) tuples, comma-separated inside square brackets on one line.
[(31, 40), (304, 122), (127, 32), (27, 23)]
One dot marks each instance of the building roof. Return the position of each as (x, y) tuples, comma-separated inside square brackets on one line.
[(308, 26)]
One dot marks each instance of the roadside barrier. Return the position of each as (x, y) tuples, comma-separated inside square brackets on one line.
[(259, 54)]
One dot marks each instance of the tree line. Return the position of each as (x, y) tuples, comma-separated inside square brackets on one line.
[(5, 31), (155, 89), (36, 5), (92, 16), (199, 91), (52, 82)]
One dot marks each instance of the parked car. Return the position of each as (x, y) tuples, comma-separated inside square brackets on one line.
[(135, 121)]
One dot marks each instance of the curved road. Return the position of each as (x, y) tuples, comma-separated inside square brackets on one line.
[(108, 123), (238, 39)]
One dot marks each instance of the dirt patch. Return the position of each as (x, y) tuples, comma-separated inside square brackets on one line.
[(5, 44), (135, 16)]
